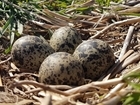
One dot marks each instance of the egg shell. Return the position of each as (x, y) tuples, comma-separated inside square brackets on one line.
[(96, 57), (65, 39), (61, 68), (28, 52)]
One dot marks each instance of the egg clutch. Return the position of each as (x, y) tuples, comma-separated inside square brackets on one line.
[(65, 59)]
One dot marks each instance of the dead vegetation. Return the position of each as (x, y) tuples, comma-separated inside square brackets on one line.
[(117, 27)]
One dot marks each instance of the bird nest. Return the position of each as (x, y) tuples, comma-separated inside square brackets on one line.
[(122, 32)]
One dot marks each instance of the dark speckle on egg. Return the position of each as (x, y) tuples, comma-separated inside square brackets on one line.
[(96, 57), (65, 39), (63, 69), (28, 52)]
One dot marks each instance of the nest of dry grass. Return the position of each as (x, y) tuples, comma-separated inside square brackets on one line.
[(121, 31)]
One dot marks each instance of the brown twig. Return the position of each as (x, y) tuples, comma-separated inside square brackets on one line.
[(47, 100), (131, 59), (123, 56), (84, 88), (120, 85), (59, 87), (127, 41), (129, 11), (53, 14), (117, 97), (5, 60), (115, 66), (123, 22), (44, 25), (73, 99), (44, 87)]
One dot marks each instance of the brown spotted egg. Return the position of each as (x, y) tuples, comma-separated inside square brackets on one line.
[(28, 52), (96, 57), (61, 68), (65, 39)]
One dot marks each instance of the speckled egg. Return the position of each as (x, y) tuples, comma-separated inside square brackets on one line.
[(65, 39), (61, 68), (28, 52), (96, 57)]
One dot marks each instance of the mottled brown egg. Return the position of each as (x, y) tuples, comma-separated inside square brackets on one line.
[(65, 39), (28, 52), (61, 68), (96, 57)]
